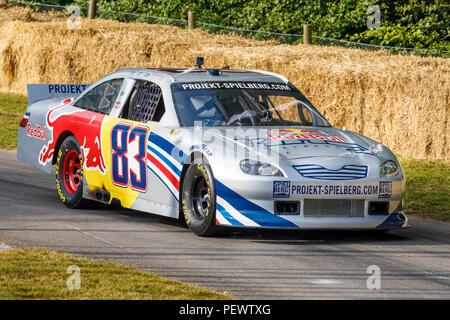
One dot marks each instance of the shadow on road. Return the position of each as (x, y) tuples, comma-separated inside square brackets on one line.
[(272, 236)]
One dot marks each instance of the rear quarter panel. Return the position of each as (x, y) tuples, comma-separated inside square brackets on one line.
[(37, 134)]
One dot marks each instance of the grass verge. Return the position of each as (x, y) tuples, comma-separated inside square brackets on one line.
[(12, 108), (427, 187), (42, 274)]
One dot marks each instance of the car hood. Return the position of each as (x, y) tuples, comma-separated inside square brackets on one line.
[(296, 143)]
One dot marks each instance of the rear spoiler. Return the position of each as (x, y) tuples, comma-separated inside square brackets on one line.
[(37, 92)]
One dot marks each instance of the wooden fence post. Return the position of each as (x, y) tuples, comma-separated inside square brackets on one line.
[(191, 20), (307, 34), (92, 9)]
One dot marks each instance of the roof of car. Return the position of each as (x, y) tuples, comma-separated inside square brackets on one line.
[(206, 74)]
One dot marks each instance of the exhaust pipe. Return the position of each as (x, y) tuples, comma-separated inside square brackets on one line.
[(102, 195)]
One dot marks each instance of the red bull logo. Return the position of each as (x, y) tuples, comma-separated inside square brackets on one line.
[(37, 131), (85, 125), (301, 134)]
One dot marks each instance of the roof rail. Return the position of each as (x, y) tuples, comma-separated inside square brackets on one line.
[(279, 76), (129, 69), (147, 70)]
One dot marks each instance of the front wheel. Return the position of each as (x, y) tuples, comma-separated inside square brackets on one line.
[(69, 173), (198, 199)]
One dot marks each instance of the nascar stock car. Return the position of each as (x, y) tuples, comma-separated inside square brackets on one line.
[(215, 147)]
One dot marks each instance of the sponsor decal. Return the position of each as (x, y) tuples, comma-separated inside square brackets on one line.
[(333, 190), (281, 189), (37, 131), (175, 131), (202, 148), (66, 88), (300, 134), (385, 190), (234, 85), (38, 92), (268, 142), (285, 138)]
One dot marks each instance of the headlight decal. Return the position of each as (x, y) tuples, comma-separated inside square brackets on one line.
[(388, 169), (258, 168)]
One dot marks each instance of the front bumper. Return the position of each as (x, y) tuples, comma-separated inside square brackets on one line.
[(251, 204)]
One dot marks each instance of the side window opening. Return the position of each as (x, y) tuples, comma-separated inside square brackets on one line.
[(145, 103), (101, 98)]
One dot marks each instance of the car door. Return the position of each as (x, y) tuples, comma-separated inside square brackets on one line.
[(124, 140)]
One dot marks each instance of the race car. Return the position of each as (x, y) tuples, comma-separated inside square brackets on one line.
[(215, 147)]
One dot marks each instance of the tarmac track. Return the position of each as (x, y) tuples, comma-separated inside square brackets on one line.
[(414, 263)]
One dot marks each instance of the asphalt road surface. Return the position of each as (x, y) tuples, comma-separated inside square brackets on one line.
[(413, 263)]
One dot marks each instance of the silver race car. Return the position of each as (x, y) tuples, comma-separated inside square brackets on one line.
[(217, 147)]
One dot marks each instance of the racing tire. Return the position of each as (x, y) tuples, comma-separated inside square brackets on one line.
[(198, 199), (69, 174)]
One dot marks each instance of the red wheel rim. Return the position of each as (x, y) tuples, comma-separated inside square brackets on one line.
[(72, 172)]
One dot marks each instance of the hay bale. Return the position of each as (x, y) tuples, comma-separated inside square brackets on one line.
[(402, 101)]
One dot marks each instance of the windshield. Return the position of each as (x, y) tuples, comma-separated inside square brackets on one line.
[(244, 104)]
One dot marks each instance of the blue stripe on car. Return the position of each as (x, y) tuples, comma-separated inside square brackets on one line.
[(168, 147), (227, 215), (251, 210), (394, 220)]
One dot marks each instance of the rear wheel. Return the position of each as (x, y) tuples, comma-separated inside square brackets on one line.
[(198, 199), (69, 173)]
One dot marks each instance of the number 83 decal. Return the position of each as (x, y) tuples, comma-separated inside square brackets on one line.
[(128, 157)]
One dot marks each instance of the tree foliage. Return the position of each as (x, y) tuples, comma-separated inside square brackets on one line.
[(404, 23)]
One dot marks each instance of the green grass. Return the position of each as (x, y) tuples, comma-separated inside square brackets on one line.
[(12, 108), (427, 187), (42, 274)]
